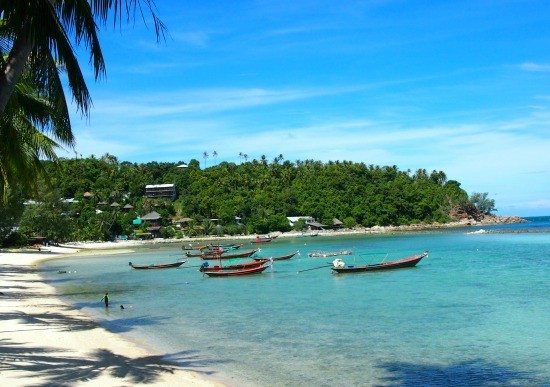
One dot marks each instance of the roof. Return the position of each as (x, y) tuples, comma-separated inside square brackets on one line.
[(128, 206), (297, 218), (184, 220), (153, 228), (151, 216), (316, 224), (159, 186), (337, 222), (87, 194), (115, 204)]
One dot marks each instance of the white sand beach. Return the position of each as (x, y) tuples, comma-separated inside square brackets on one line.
[(47, 342)]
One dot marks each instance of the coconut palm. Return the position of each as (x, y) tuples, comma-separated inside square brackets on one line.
[(30, 117), (35, 45), (38, 32)]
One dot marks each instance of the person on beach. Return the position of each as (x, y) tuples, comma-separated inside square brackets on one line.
[(106, 299)]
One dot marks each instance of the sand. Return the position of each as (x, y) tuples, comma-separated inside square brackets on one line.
[(46, 342)]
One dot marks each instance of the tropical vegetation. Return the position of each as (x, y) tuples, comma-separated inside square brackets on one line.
[(235, 198), (36, 46)]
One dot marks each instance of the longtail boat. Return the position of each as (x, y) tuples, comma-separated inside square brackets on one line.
[(238, 266), (237, 272), (191, 247), (154, 266), (217, 255), (194, 253), (262, 239), (227, 246), (324, 254), (339, 266), (280, 258)]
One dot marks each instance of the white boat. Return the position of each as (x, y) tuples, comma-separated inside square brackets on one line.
[(323, 254)]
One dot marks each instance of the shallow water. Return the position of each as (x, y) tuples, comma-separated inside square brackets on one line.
[(475, 312)]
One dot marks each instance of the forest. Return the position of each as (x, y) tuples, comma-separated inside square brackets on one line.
[(228, 198)]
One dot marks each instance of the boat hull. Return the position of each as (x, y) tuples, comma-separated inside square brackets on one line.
[(233, 273), (391, 265), (245, 254), (279, 258), (238, 266), (153, 267)]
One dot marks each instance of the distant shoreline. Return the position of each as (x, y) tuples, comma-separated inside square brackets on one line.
[(91, 247)]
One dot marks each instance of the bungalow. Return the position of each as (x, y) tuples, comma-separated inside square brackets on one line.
[(293, 219), (153, 222), (312, 225)]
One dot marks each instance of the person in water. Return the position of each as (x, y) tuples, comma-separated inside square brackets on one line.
[(106, 299)]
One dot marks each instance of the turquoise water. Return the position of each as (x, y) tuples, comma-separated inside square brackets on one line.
[(475, 312)]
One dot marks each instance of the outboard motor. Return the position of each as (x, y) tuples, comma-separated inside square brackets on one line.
[(338, 263)]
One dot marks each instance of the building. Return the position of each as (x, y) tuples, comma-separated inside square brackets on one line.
[(160, 191), (293, 219), (152, 220)]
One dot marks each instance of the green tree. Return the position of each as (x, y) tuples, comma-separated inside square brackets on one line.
[(35, 41), (10, 213), (32, 125), (47, 218), (38, 33), (482, 202)]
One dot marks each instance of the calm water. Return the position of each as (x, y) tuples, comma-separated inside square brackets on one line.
[(475, 312)]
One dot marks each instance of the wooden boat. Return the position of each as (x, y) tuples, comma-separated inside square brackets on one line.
[(191, 247), (227, 246), (155, 266), (324, 254), (280, 258), (262, 239), (217, 255), (238, 266), (237, 272), (194, 253), (339, 266)]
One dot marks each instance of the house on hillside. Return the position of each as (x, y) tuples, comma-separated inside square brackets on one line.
[(293, 219), (313, 225), (337, 223), (152, 219), (160, 191)]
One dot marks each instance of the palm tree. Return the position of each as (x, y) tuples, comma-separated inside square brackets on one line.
[(34, 45), (38, 33), (215, 154), (29, 115), (205, 156)]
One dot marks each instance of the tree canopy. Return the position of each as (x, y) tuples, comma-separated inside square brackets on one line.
[(259, 194)]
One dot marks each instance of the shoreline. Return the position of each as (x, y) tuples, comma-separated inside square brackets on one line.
[(375, 230), (46, 341)]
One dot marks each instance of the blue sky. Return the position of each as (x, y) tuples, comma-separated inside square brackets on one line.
[(462, 87)]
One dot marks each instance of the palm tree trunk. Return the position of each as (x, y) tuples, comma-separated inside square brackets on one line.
[(14, 67)]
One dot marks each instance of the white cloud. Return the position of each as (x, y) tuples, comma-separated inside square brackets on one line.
[(192, 38), (535, 67), (205, 101)]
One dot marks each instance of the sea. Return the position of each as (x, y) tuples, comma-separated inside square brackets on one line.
[(475, 312)]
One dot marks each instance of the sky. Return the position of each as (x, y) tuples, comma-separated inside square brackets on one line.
[(457, 86)]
